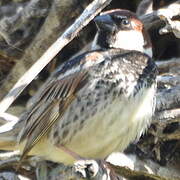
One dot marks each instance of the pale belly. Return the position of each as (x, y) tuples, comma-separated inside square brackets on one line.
[(111, 130)]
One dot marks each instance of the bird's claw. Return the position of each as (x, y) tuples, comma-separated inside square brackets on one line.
[(86, 168)]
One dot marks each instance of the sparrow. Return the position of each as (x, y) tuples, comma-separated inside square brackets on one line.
[(93, 104)]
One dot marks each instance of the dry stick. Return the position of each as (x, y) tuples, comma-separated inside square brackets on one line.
[(174, 62), (167, 116), (88, 14), (169, 11), (168, 99)]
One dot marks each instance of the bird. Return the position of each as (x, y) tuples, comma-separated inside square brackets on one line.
[(96, 103)]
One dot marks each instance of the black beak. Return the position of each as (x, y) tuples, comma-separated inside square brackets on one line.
[(104, 22)]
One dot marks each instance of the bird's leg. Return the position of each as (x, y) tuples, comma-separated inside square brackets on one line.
[(90, 168), (71, 153), (95, 169)]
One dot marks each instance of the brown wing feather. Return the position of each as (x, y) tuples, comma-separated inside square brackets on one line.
[(52, 105)]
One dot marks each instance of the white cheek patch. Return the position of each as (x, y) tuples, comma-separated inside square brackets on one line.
[(130, 40)]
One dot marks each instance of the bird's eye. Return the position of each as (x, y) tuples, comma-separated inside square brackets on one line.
[(125, 22)]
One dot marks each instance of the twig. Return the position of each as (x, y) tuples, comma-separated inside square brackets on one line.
[(7, 121), (135, 175), (171, 26), (168, 99), (8, 117), (171, 80), (160, 15), (167, 116), (9, 165), (166, 14), (8, 126), (103, 170), (8, 155), (88, 14), (165, 66)]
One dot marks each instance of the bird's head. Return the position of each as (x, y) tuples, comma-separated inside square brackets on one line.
[(121, 29)]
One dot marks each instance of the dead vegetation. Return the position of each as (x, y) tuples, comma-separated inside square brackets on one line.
[(27, 30)]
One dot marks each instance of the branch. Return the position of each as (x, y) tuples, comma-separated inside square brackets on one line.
[(168, 96), (167, 116), (164, 15), (169, 80), (88, 14), (98, 170), (7, 122), (168, 99), (8, 117), (166, 66)]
